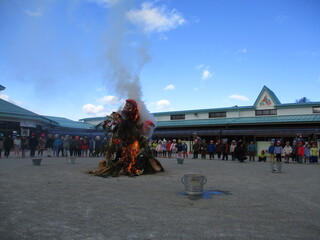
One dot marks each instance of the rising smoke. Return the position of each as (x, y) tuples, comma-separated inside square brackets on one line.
[(126, 53)]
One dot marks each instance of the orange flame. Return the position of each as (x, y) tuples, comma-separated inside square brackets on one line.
[(129, 155)]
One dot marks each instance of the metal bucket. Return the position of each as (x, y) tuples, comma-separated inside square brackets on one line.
[(276, 167), (36, 161), (71, 160), (180, 160), (193, 183)]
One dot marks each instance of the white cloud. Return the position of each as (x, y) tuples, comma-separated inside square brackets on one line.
[(307, 52), (105, 3), (155, 18), (101, 89), (7, 98), (163, 104), (91, 109), (281, 18), (4, 97), (34, 13), (110, 100), (169, 87), (201, 66), (241, 51), (238, 97), (206, 74), (163, 37)]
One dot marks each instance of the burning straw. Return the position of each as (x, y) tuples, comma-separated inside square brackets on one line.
[(128, 151)]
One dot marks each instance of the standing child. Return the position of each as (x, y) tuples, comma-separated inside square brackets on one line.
[(159, 148), (91, 147), (218, 149), (307, 153), (314, 153), (300, 152), (203, 149), (179, 148), (41, 144), (17, 146), (185, 149), (271, 152), (294, 153), (164, 148), (1, 143), (225, 150), (232, 147), (287, 151), (211, 148), (278, 150), (24, 146)]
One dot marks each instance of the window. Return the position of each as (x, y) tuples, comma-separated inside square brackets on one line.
[(316, 109), (177, 117), (266, 112), (217, 114)]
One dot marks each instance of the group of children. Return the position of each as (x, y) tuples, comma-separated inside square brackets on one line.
[(299, 152)]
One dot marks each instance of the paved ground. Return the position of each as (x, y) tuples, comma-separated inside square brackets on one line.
[(57, 200)]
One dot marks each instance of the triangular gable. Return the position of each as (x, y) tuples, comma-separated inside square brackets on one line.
[(266, 99)]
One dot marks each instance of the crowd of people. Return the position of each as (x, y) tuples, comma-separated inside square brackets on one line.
[(51, 146), (299, 152)]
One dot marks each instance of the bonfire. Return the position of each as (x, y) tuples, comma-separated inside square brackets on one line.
[(128, 151)]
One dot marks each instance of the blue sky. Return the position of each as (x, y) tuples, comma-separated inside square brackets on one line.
[(82, 58)]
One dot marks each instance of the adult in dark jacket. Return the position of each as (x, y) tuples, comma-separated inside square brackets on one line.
[(33, 143), (218, 150), (77, 146), (72, 146), (225, 150), (203, 149), (49, 145), (240, 152), (98, 147), (7, 144), (196, 148)]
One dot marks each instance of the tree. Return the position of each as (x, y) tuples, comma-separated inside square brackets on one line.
[(302, 100)]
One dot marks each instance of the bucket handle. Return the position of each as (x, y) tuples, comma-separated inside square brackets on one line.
[(204, 180)]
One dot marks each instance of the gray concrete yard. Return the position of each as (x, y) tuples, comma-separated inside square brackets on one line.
[(57, 200)]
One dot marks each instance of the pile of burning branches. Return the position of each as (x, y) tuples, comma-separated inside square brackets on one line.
[(128, 151)]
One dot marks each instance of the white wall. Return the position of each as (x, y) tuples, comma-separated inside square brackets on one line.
[(294, 111)]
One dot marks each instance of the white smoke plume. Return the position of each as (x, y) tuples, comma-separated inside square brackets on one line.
[(126, 60)]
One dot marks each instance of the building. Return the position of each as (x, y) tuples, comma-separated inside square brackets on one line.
[(17, 120), (268, 119)]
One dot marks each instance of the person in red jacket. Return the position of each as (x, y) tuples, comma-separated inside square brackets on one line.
[(300, 152), (84, 146)]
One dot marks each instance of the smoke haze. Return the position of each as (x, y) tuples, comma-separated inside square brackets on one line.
[(127, 53)]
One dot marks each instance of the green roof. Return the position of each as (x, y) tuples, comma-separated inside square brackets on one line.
[(243, 120), (10, 110), (94, 119), (225, 109), (67, 123)]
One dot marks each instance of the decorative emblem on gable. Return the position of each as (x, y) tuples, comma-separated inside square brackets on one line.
[(265, 101)]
